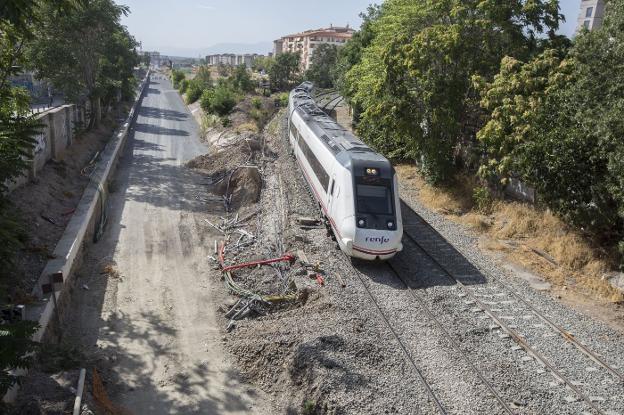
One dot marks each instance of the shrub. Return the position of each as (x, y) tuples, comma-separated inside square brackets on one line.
[(226, 122), (482, 199), (283, 99), (184, 84), (195, 90), (208, 122), (259, 116), (219, 100), (205, 101), (241, 80), (176, 78), (256, 103)]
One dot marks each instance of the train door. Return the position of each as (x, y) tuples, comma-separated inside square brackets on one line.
[(331, 197)]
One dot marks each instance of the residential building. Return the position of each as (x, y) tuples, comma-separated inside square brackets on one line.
[(230, 59), (304, 43), (591, 14)]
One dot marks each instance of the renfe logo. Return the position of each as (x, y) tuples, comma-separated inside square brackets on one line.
[(377, 239)]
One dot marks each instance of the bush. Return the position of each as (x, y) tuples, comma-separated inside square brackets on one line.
[(482, 199), (195, 90), (282, 99), (208, 122), (184, 84), (256, 103), (176, 78), (220, 100), (226, 122), (241, 80), (259, 116)]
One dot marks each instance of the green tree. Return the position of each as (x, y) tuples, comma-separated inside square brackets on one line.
[(241, 80), (351, 53), (283, 72), (219, 100), (262, 63), (73, 49), (556, 122), (413, 82), (204, 75), (323, 66), (177, 77), (18, 18)]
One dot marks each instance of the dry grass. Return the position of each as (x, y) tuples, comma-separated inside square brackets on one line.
[(246, 127), (457, 200), (532, 237)]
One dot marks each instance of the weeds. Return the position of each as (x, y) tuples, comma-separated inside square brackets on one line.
[(528, 235), (309, 408)]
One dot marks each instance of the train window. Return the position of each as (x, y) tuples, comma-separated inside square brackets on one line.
[(376, 200), (317, 167), (331, 191)]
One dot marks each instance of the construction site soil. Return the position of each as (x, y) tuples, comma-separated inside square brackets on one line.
[(318, 347)]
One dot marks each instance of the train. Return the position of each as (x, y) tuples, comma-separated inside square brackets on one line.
[(355, 187)]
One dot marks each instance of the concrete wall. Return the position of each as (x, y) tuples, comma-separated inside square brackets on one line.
[(55, 137)]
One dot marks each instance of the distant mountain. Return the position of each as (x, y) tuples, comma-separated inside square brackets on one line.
[(237, 48)]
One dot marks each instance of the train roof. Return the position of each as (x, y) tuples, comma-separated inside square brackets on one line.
[(335, 137)]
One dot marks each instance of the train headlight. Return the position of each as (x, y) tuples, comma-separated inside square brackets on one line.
[(361, 223), (390, 224)]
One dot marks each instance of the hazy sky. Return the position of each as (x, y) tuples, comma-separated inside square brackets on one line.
[(174, 25)]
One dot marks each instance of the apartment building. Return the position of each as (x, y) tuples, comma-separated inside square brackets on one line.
[(591, 14), (304, 43), (231, 59)]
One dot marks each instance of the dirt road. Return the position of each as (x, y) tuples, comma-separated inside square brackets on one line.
[(152, 327)]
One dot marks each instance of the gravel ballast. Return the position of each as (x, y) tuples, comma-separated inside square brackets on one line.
[(335, 353)]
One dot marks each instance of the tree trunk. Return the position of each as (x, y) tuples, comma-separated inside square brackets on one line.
[(96, 113)]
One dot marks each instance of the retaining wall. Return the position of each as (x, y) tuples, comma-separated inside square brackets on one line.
[(52, 290), (56, 136)]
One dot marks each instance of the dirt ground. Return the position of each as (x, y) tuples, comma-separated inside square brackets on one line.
[(144, 305), (311, 349), (46, 205)]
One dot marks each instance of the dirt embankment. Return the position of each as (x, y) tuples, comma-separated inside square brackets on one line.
[(46, 205), (302, 330)]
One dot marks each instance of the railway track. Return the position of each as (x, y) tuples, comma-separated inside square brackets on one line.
[(468, 286), (434, 398), (439, 250)]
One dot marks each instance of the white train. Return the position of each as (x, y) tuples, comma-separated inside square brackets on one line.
[(356, 188)]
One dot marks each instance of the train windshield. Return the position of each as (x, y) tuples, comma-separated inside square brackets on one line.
[(376, 200)]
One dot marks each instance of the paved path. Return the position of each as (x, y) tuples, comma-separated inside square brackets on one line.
[(156, 322)]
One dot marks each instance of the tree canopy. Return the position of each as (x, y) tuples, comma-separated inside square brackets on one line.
[(284, 70), (556, 122), (86, 53), (322, 67), (413, 82)]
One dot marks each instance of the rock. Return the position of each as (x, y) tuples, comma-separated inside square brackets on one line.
[(308, 221), (616, 279)]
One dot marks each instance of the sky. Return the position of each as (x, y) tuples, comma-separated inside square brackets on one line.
[(191, 27)]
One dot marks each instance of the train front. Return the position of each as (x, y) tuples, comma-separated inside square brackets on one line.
[(378, 227)]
